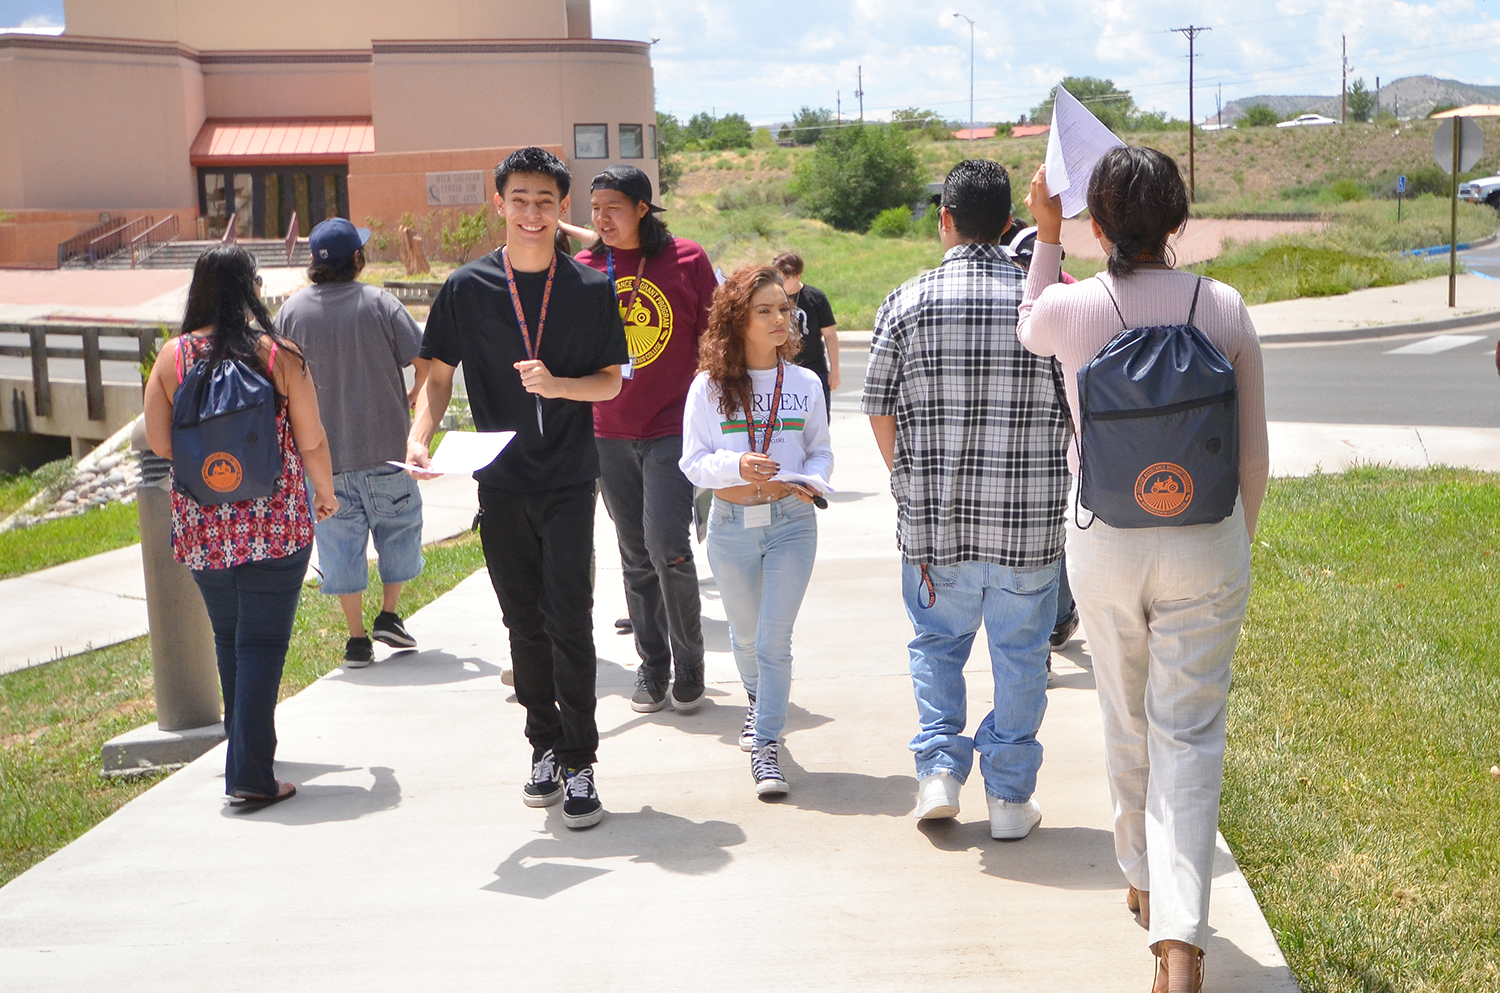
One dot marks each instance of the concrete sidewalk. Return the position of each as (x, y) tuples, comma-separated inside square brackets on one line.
[(101, 600), (407, 860)]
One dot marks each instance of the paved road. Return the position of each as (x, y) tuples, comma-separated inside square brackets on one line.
[(1444, 379), (1484, 260)]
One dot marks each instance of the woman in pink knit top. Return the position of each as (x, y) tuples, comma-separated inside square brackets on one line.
[(1162, 606)]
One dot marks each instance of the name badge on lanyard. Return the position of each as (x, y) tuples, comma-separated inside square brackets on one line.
[(533, 348), (758, 515), (627, 371)]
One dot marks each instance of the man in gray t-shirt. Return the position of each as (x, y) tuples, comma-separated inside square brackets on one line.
[(358, 339)]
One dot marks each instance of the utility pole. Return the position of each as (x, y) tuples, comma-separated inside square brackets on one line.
[(1343, 92), (861, 93), (971, 73), (1377, 97), (1192, 31), (1219, 103), (838, 101)]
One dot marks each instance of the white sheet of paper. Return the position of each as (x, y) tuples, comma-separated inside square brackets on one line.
[(817, 483), (464, 451), (1076, 143)]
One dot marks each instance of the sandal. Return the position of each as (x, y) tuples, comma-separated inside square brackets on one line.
[(1139, 902), (284, 791), (1189, 959)]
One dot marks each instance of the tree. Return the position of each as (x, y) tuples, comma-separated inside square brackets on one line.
[(809, 125), (1259, 116), (731, 131), (669, 137), (699, 128), (925, 122), (1113, 106), (856, 172), (1361, 101)]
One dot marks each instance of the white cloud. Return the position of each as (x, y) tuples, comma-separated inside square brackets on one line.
[(732, 56)]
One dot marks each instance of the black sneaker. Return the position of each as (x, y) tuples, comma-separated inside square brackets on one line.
[(649, 697), (623, 625), (581, 806), (1064, 631), (545, 787), (687, 692), (747, 733), (388, 630), (767, 771), (358, 653)]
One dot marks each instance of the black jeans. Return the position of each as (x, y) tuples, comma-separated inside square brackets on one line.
[(537, 546), (651, 503), (251, 608)]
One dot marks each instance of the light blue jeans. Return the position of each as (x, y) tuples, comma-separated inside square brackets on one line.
[(762, 575), (1018, 608)]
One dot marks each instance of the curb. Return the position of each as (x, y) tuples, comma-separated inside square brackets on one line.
[(1441, 249), (1382, 331)]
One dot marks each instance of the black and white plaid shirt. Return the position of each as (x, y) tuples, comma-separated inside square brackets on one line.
[(981, 472)]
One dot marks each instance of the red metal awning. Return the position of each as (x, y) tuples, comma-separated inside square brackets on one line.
[(282, 141)]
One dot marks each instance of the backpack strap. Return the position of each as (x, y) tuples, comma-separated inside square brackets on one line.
[(181, 370), (1123, 325), (1194, 308)]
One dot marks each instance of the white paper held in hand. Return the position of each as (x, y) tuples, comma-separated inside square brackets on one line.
[(464, 451), (1076, 143), (816, 483)]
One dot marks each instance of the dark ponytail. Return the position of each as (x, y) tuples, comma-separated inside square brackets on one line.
[(1138, 199), (223, 296)]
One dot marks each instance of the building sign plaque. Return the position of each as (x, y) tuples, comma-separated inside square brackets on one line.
[(456, 189)]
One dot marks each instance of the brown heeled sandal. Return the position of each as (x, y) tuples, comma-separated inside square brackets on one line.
[(1189, 960), (1139, 902)]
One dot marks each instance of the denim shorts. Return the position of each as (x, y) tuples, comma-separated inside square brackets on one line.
[(385, 503)]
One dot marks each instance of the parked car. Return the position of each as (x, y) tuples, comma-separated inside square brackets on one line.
[(1307, 121), (1486, 190)]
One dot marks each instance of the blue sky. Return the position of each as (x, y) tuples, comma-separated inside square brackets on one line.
[(733, 55)]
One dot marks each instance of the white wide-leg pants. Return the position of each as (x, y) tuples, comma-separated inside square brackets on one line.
[(1162, 608)]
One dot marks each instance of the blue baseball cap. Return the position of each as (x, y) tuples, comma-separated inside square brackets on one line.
[(335, 240)]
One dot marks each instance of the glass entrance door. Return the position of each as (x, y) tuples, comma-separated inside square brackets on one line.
[(262, 199)]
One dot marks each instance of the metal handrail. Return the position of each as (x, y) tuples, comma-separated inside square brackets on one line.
[(150, 241), (116, 240), (74, 247), (291, 238)]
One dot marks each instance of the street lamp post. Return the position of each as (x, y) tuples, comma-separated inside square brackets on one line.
[(971, 73)]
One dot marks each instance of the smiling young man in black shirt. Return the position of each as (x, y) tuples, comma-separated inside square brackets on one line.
[(540, 340)]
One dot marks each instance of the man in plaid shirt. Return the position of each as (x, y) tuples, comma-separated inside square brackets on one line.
[(971, 428)]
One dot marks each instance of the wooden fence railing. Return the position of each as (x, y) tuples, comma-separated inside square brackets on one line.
[(92, 352)]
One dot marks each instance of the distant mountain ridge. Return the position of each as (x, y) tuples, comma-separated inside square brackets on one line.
[(1410, 96)]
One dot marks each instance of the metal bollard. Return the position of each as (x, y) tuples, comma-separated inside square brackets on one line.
[(183, 664)]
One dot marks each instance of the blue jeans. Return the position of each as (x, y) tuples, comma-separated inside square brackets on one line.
[(762, 575), (251, 608), (1018, 608), (384, 502)]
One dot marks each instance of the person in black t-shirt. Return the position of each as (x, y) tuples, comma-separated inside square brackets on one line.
[(536, 373), (820, 338)]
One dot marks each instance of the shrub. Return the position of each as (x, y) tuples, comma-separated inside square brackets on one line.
[(1347, 189), (464, 234), (855, 173), (1259, 116), (761, 138), (892, 223)]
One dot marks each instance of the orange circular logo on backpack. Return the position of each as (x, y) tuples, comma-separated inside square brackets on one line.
[(1164, 489), (222, 473)]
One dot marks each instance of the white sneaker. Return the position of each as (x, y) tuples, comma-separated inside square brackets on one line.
[(507, 677), (1013, 821), (937, 796)]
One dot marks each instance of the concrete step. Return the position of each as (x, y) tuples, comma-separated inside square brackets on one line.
[(183, 254)]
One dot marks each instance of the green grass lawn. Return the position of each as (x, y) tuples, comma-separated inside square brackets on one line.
[(55, 718), (67, 539), (1363, 722)]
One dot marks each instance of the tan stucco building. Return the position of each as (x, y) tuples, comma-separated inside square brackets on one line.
[(268, 108)]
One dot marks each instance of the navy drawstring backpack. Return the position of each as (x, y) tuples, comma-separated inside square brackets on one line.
[(1159, 439), (224, 441)]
